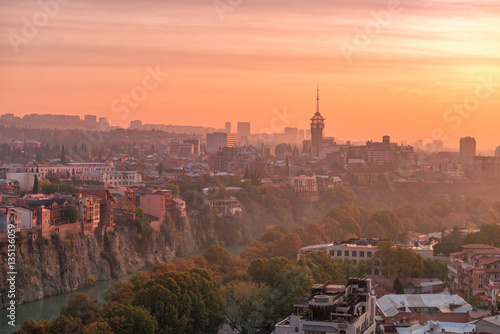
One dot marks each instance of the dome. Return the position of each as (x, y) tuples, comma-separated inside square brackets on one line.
[(317, 117)]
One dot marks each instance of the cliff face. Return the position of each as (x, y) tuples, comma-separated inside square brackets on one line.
[(49, 268)]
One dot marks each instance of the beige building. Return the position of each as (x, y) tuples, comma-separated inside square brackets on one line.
[(358, 250)]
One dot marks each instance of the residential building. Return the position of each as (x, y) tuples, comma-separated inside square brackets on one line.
[(467, 149), (490, 325), (439, 327), (359, 249), (9, 215), (137, 124), (497, 152), (224, 206), (420, 307), (227, 127), (491, 297), (195, 143), (218, 140), (122, 178), (471, 270), (348, 309), (304, 186), (243, 129)]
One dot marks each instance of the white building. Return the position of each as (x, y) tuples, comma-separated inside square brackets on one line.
[(439, 327), (122, 178), (358, 250), (349, 309)]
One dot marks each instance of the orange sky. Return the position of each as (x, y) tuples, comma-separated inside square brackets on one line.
[(260, 56)]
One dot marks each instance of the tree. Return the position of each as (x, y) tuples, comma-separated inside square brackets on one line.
[(30, 326), (398, 286), (161, 167), (187, 302), (323, 268), (63, 155), (397, 261), (72, 214), (98, 327), (35, 185), (66, 325), (245, 305), (390, 223), (128, 319), (121, 292), (82, 306)]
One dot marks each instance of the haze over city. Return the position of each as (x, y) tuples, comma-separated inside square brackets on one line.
[(240, 62), (249, 167)]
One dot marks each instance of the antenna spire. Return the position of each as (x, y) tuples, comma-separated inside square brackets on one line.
[(317, 100)]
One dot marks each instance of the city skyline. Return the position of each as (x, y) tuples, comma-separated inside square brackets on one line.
[(260, 58)]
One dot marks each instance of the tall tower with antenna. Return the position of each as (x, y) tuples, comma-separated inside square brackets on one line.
[(317, 126)]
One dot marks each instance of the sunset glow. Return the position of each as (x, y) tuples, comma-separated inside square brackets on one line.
[(241, 62)]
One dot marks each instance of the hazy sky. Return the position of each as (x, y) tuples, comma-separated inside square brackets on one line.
[(403, 68)]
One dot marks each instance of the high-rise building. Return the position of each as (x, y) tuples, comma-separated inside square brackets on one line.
[(195, 143), (317, 127), (308, 134), (103, 123), (231, 142), (467, 149), (438, 145), (217, 140), (228, 127), (291, 134), (135, 124), (301, 135), (419, 144), (243, 129), (497, 152), (90, 119)]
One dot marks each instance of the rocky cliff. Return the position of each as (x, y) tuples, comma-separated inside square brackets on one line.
[(55, 266)]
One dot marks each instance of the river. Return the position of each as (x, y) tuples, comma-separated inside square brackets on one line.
[(50, 307)]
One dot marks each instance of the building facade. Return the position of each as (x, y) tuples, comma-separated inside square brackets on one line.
[(348, 309)]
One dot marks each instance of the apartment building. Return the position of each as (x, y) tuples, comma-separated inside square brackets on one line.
[(471, 270), (348, 309), (358, 249)]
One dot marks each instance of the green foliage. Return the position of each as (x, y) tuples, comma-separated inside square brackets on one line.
[(398, 286), (65, 325), (72, 214), (246, 305), (436, 269), (389, 222), (322, 267), (488, 234), (173, 188), (128, 319), (35, 185), (276, 241), (187, 302), (397, 261), (30, 326), (82, 306)]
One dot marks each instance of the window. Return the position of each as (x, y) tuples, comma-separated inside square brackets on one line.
[(346, 253), (332, 253), (354, 253), (339, 253), (369, 254), (354, 261), (361, 253), (480, 276), (480, 286)]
